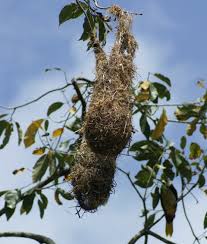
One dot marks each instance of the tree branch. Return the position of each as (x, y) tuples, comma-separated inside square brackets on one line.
[(45, 94), (39, 185), (151, 233), (39, 238), (82, 100)]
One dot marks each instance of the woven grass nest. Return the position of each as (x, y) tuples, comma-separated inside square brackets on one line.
[(108, 123), (92, 178)]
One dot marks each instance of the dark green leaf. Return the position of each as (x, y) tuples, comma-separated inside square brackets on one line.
[(46, 125), (155, 197), (162, 91), (8, 132), (205, 222), (19, 132), (41, 208), (150, 220), (183, 142), (44, 200), (146, 150), (101, 30), (201, 181), (27, 203), (145, 178), (54, 107), (71, 11), (40, 168), (88, 26), (9, 212), (163, 78), (144, 125)]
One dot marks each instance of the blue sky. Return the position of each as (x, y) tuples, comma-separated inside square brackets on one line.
[(172, 40)]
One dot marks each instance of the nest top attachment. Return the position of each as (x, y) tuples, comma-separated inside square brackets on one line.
[(108, 123)]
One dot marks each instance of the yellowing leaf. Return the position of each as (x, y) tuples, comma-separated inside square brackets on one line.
[(143, 96), (68, 177), (160, 127), (29, 137), (57, 132), (145, 85), (39, 151), (73, 110)]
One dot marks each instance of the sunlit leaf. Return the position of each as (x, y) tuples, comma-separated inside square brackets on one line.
[(12, 198), (40, 168), (39, 151), (195, 151), (160, 127), (58, 132), (29, 137), (73, 110)]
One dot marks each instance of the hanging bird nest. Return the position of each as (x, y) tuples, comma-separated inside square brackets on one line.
[(92, 178), (108, 123)]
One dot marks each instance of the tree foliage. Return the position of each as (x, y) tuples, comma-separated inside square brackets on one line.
[(159, 159)]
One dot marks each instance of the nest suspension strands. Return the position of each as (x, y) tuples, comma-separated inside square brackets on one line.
[(92, 178), (108, 123)]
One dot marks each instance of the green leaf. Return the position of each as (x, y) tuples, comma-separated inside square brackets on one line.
[(195, 151), (27, 203), (101, 30), (145, 178), (46, 125), (201, 181), (146, 150), (203, 130), (144, 126), (9, 212), (12, 198), (163, 78), (3, 115), (153, 93), (41, 208), (40, 168), (88, 26), (19, 132), (60, 192), (71, 11), (160, 126), (181, 164), (162, 91), (155, 197), (29, 137), (7, 135), (150, 220), (183, 142), (54, 107), (205, 222)]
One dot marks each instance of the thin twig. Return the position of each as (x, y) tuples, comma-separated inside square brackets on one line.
[(186, 215)]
